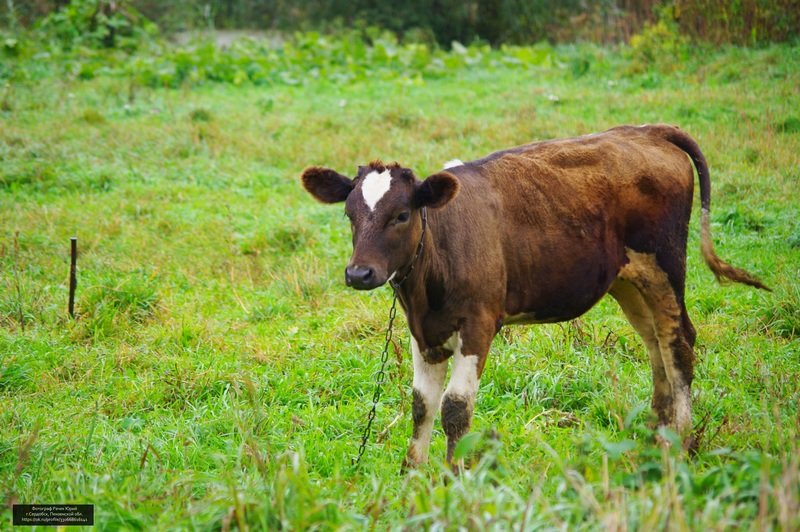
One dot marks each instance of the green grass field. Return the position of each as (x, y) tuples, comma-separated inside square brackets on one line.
[(219, 373)]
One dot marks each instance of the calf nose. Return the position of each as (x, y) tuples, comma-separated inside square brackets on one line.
[(359, 277)]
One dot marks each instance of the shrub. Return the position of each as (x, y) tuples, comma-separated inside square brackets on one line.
[(659, 46), (96, 24)]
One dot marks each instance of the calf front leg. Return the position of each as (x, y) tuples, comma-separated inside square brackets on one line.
[(459, 400), (427, 394), (469, 357)]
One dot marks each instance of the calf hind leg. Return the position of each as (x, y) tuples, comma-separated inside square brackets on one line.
[(640, 317), (673, 332), (678, 357)]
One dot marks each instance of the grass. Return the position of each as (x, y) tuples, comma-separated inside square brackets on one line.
[(219, 373)]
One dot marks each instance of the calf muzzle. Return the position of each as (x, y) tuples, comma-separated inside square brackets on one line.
[(361, 277)]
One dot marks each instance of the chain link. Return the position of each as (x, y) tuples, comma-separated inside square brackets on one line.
[(381, 376)]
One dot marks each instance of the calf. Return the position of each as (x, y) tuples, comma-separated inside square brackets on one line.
[(533, 234)]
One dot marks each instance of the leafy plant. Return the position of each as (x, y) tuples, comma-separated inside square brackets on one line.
[(97, 24), (117, 302), (659, 46)]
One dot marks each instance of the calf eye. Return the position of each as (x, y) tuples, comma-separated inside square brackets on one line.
[(402, 217)]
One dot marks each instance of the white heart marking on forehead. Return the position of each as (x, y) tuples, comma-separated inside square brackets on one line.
[(375, 186), (453, 163)]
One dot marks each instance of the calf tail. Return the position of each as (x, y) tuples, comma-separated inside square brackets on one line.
[(722, 270)]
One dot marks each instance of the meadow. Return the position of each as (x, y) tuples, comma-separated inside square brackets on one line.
[(218, 372)]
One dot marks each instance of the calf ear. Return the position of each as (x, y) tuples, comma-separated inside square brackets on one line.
[(327, 185), (436, 190)]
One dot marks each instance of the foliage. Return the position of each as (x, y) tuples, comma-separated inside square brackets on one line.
[(748, 22), (89, 38), (298, 59), (310, 57), (495, 21), (659, 45), (445, 21), (218, 373), (96, 24)]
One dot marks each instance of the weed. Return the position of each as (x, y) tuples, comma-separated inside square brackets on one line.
[(790, 124), (742, 219), (784, 317), (93, 117), (116, 303), (794, 237), (200, 115), (287, 240), (14, 374)]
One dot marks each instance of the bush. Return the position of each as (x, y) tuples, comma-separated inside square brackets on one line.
[(741, 22), (96, 24), (659, 46), (493, 21)]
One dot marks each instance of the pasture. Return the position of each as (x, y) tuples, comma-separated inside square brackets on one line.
[(219, 373)]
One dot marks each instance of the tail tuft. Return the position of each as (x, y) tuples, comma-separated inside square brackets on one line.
[(722, 270)]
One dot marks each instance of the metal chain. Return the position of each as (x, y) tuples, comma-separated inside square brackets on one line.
[(381, 375)]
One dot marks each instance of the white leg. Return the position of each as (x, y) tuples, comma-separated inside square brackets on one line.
[(459, 398), (427, 393)]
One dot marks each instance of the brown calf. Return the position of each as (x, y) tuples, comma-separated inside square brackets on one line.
[(533, 234)]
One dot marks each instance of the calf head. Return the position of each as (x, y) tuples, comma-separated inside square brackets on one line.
[(382, 203)]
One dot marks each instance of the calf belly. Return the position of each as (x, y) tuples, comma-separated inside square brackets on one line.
[(552, 290)]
